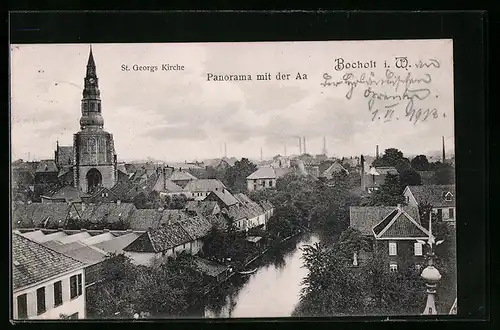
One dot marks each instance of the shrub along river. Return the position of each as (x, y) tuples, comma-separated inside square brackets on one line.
[(272, 291)]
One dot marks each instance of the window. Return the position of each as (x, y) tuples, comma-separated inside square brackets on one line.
[(75, 285), (407, 199), (57, 293), (451, 213), (393, 267), (418, 249), (440, 214), (393, 250), (40, 301), (448, 197), (22, 306)]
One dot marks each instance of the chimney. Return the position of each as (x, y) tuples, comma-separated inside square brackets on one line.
[(300, 145), (285, 149), (261, 154), (305, 145), (362, 172), (225, 150), (444, 153), (377, 152)]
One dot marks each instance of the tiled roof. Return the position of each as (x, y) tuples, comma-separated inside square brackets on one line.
[(143, 219), (399, 224), (204, 185), (433, 194), (364, 218), (122, 168), (334, 168), (34, 263), (46, 166), (122, 188), (170, 186), (202, 207), (40, 215), (160, 239), (225, 197), (208, 267), (69, 193), (266, 205), (57, 236), (197, 227), (263, 173), (108, 212), (34, 235), (181, 176), (116, 245), (242, 198)]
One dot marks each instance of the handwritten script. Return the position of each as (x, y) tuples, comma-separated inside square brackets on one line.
[(392, 95)]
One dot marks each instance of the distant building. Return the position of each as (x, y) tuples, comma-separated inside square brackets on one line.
[(265, 177), (199, 189), (392, 231), (335, 168), (440, 197), (372, 178), (46, 284)]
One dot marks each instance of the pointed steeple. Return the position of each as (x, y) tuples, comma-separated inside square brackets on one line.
[(91, 65), (91, 102)]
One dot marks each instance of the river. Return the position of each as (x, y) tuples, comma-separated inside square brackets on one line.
[(272, 291)]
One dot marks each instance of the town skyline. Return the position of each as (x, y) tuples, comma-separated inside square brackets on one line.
[(181, 117)]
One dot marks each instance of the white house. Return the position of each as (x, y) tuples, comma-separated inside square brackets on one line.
[(199, 189), (440, 197), (46, 284)]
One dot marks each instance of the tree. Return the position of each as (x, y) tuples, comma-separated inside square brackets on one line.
[(390, 193), (420, 163), (391, 157), (352, 241), (410, 178), (235, 176), (444, 174)]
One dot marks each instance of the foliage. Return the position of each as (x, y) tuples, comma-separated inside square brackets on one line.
[(444, 174), (390, 193), (409, 178), (420, 163), (391, 157), (235, 176)]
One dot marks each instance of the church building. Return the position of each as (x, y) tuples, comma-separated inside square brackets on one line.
[(91, 162)]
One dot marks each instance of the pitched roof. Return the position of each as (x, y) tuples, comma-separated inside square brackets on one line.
[(383, 170), (399, 224), (40, 215), (108, 212), (196, 227), (364, 218), (266, 205), (211, 268), (75, 237), (224, 196), (143, 219), (98, 238), (69, 193), (57, 236), (433, 194), (204, 185), (334, 168), (171, 186), (47, 165), (87, 254), (181, 176), (160, 239), (34, 263), (263, 173), (242, 198), (121, 188), (203, 207), (116, 245)]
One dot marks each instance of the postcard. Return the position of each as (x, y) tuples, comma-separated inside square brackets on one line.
[(233, 180)]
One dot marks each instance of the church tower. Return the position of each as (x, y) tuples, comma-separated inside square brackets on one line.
[(94, 151)]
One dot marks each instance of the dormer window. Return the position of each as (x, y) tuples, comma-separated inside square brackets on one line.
[(448, 196)]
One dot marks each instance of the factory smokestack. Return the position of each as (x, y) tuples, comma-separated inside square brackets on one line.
[(305, 151), (285, 149), (377, 152), (444, 153), (324, 146), (225, 150), (261, 154), (300, 145)]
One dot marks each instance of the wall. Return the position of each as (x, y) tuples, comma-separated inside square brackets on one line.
[(68, 307), (405, 253), (107, 173), (446, 213), (260, 184)]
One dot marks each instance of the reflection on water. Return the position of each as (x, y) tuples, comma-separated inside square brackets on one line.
[(272, 291)]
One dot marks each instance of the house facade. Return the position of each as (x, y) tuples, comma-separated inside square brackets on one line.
[(440, 197), (46, 284), (264, 177), (394, 233)]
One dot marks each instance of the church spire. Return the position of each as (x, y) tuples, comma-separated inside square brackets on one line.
[(91, 102)]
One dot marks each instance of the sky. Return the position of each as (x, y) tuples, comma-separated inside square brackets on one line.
[(180, 116)]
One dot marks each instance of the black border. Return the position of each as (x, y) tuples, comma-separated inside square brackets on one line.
[(467, 29)]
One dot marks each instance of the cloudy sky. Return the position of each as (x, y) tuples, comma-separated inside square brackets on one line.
[(179, 115)]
